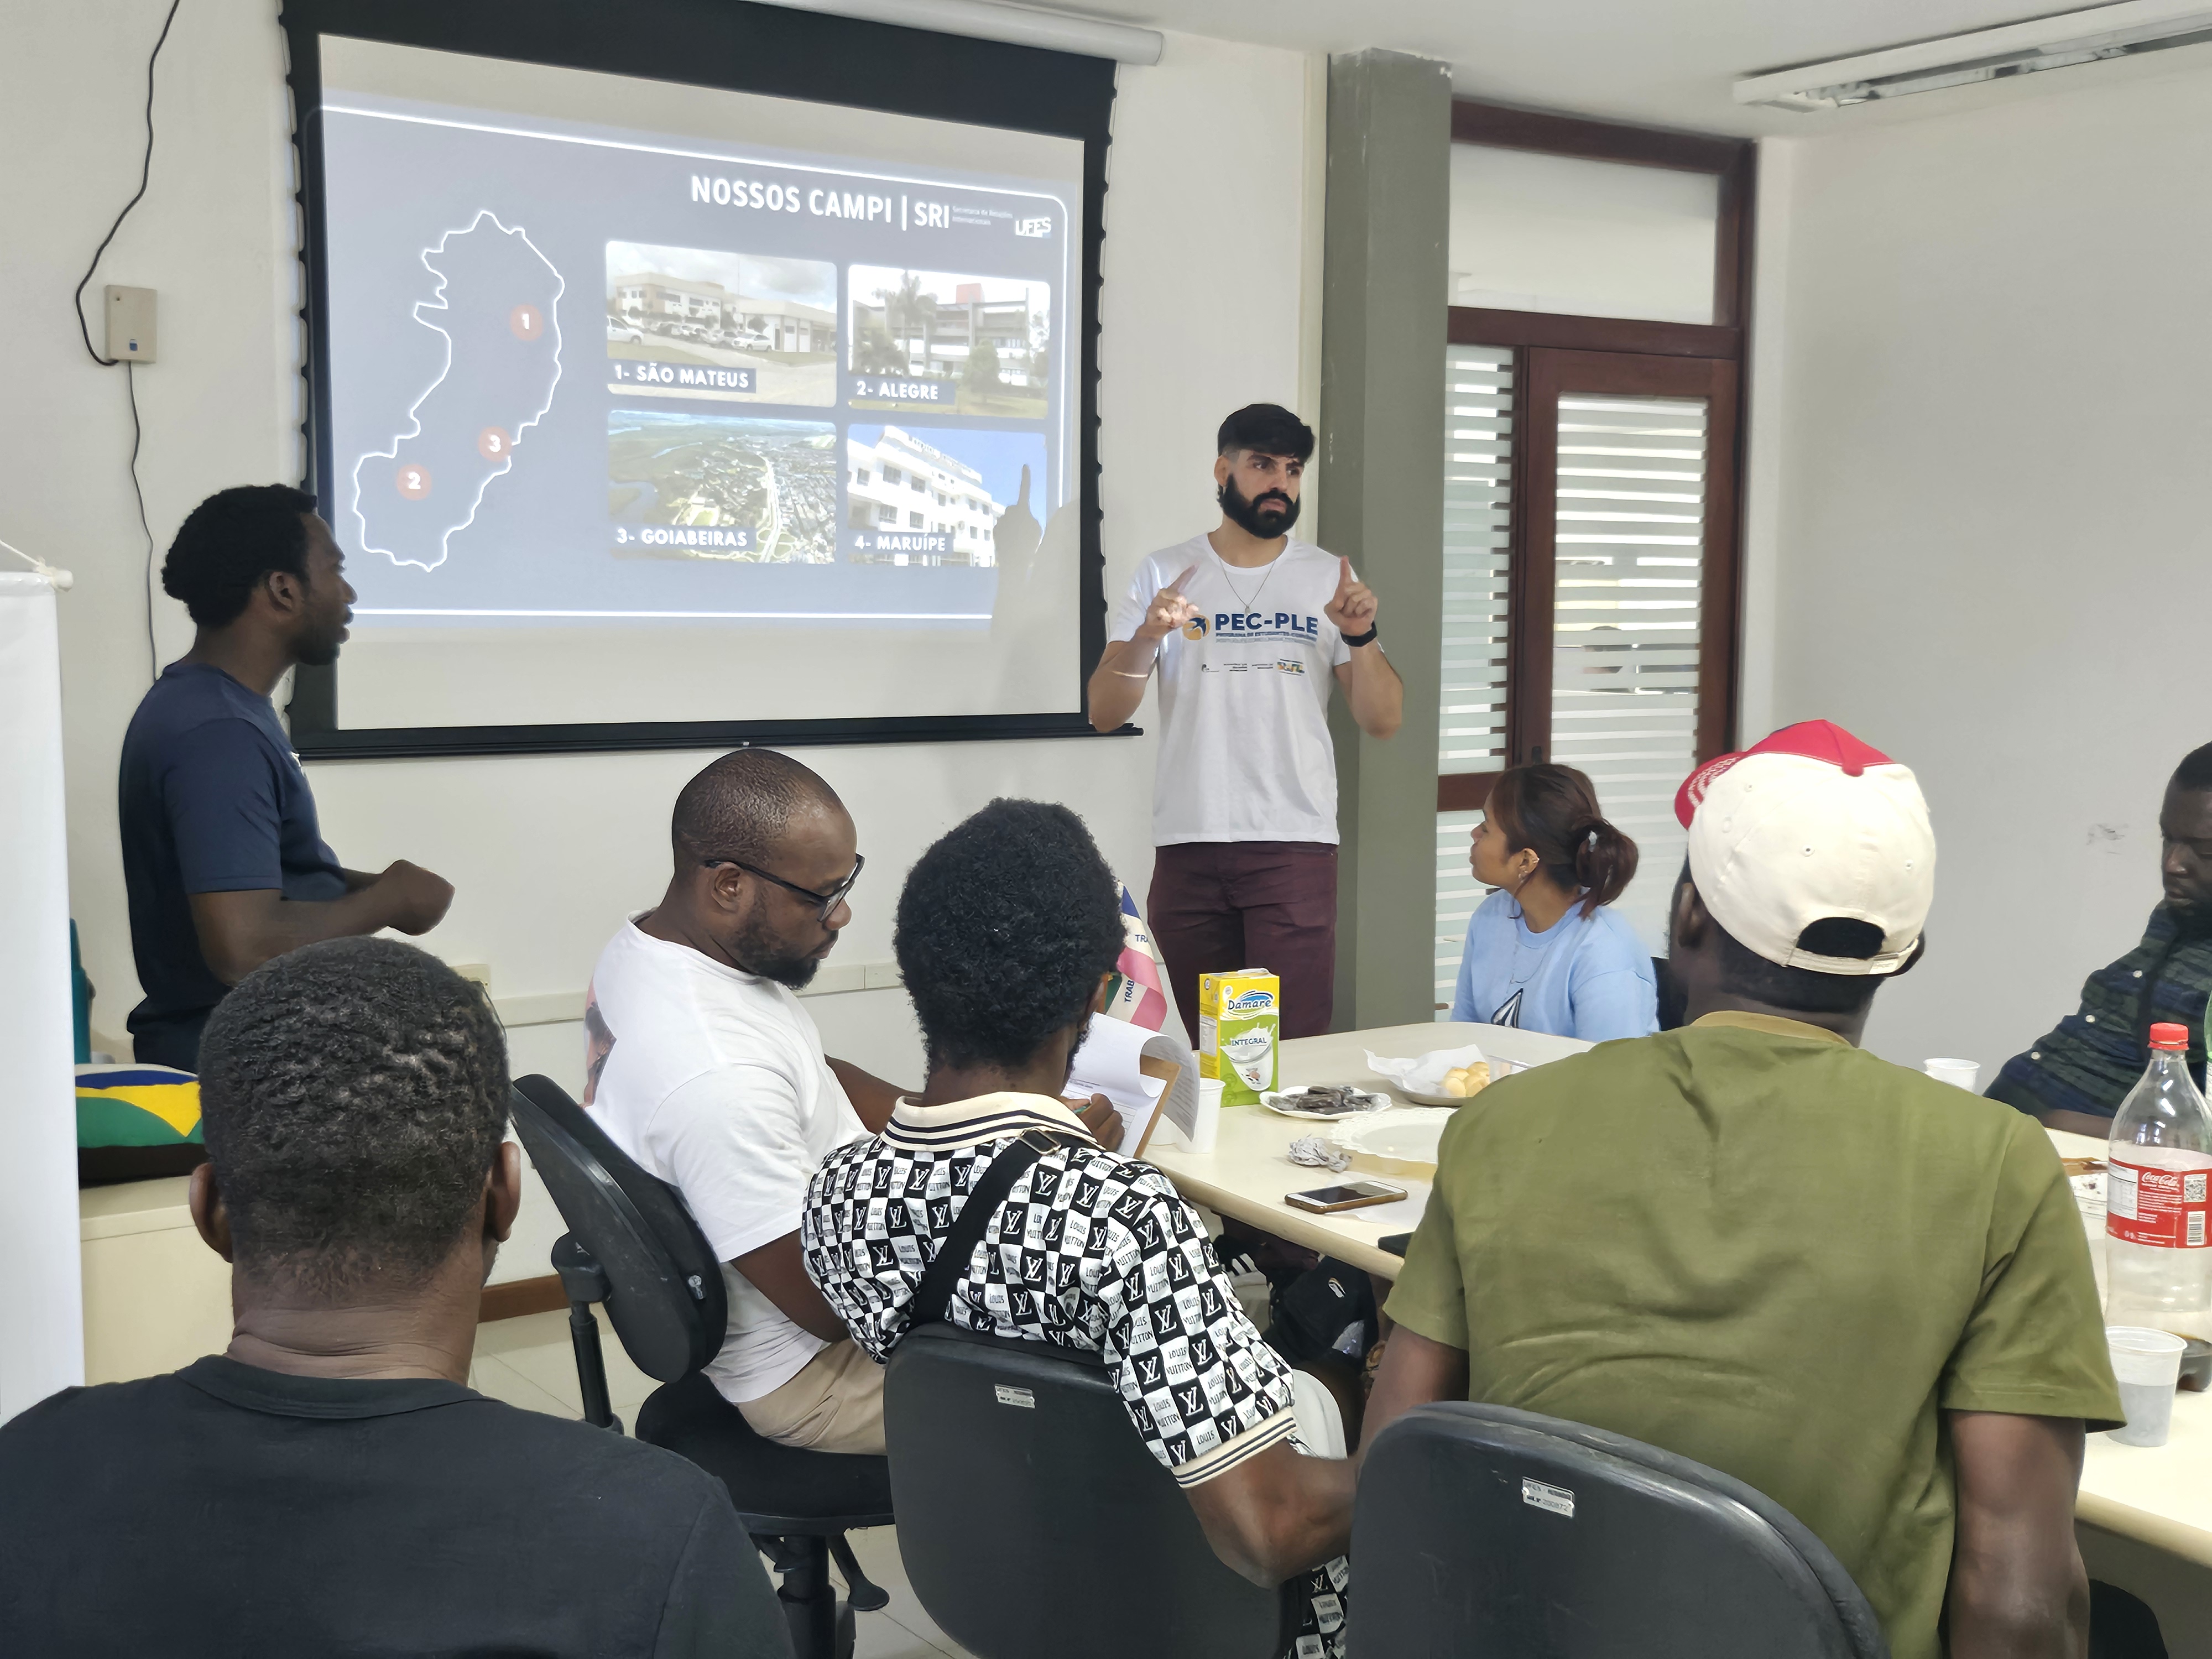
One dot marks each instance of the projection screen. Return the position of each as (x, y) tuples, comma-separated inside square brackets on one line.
[(649, 412)]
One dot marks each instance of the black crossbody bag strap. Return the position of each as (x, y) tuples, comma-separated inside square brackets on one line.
[(933, 1295)]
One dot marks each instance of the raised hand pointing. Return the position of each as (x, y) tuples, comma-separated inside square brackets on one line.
[(1168, 609), (1351, 608)]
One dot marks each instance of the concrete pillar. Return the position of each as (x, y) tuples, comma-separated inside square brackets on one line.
[(1383, 300)]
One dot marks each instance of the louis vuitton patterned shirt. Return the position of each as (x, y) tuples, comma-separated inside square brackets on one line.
[(1090, 1250)]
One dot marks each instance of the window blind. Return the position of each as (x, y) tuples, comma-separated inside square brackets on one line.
[(1631, 504), (1471, 727)]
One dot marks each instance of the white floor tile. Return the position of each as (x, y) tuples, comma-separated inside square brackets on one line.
[(876, 1636), (877, 1551), (537, 1348), (500, 1380)]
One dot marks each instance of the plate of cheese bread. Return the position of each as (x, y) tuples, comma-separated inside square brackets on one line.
[(1443, 1077)]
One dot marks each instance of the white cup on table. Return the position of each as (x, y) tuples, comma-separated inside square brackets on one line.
[(1207, 1129), (2147, 1364), (1964, 1073)]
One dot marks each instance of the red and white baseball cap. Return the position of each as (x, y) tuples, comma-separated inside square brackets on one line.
[(1806, 824)]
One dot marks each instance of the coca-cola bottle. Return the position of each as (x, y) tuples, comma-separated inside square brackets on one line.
[(2158, 1212)]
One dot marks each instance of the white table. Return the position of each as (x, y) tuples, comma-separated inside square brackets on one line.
[(1247, 1173), (2161, 1496)]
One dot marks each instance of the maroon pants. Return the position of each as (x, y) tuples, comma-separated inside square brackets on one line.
[(1217, 906)]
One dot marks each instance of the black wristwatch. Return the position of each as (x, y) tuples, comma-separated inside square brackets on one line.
[(1357, 640)]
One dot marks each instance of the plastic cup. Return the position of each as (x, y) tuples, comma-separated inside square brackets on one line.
[(2147, 1364), (1964, 1073), (1208, 1130)]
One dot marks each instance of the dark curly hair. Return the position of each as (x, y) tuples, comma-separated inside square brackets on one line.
[(229, 542), (1004, 929), (1267, 428), (354, 1094), (739, 806)]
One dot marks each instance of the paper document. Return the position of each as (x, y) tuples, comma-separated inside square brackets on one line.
[(1146, 1074)]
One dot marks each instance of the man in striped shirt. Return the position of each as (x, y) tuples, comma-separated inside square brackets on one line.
[(2078, 1074)]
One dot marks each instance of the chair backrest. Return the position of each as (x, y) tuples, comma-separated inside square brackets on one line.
[(666, 1297), (1482, 1529), (1674, 1000), (1026, 1502)]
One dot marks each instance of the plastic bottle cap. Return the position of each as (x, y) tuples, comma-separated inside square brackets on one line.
[(2165, 1035)]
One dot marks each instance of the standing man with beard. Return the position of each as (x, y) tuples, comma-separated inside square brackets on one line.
[(2076, 1077), (704, 1067), (1249, 627), (222, 858)]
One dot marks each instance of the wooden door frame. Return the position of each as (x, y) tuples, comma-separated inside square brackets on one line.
[(1721, 344)]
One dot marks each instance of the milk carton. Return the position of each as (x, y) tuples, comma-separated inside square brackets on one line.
[(1240, 1017)]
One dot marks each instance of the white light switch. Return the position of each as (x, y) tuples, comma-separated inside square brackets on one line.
[(131, 323)]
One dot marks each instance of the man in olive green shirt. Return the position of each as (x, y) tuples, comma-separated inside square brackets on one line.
[(1866, 1293)]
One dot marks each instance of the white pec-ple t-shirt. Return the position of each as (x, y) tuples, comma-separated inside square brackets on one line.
[(1245, 753), (714, 1081)]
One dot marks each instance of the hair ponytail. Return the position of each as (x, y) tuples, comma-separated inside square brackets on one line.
[(1553, 809), (1605, 862)]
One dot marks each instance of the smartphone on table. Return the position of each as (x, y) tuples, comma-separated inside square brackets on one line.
[(1351, 1196)]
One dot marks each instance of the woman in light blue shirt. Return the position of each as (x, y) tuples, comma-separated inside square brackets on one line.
[(1543, 953)]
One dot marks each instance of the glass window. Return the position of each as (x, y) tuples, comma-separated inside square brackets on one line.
[(1592, 239)]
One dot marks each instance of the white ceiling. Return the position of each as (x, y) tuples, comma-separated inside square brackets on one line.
[(1664, 63)]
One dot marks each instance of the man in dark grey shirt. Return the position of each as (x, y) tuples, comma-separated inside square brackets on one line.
[(331, 1484)]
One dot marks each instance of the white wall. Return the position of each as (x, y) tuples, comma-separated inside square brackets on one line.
[(1980, 437), (1205, 261)]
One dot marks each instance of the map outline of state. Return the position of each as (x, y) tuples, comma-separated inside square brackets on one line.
[(440, 303)]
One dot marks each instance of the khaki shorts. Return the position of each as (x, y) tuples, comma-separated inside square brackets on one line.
[(836, 1404)]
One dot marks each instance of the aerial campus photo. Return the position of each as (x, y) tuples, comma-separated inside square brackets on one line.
[(697, 323), (929, 340), (683, 485)]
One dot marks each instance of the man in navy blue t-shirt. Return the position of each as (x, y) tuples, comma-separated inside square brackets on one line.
[(225, 866)]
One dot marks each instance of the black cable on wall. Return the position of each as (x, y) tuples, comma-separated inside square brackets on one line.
[(130, 384)]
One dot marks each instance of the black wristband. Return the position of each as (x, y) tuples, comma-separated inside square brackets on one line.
[(1357, 640)]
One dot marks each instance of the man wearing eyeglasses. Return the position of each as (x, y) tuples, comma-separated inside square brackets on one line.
[(707, 1069), (704, 1067)]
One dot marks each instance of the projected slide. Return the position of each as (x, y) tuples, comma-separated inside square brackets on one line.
[(631, 424)]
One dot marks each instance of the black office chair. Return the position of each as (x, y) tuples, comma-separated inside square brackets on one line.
[(634, 1248), (1014, 1472), (1482, 1529)]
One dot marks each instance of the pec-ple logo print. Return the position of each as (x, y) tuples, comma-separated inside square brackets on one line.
[(1194, 628)]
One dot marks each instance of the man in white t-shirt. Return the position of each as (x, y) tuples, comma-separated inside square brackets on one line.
[(703, 1066), (705, 1069), (1249, 628)]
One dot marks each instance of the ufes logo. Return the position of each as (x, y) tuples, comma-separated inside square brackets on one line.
[(1032, 227)]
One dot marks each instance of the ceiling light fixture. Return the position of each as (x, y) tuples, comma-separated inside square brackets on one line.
[(2089, 36), (987, 20)]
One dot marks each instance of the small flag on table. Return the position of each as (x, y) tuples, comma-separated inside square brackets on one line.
[(1136, 995)]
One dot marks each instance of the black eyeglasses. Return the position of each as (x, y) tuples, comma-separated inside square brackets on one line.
[(828, 901)]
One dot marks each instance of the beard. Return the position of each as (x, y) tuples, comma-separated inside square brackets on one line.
[(319, 648), (760, 951), (1271, 513)]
